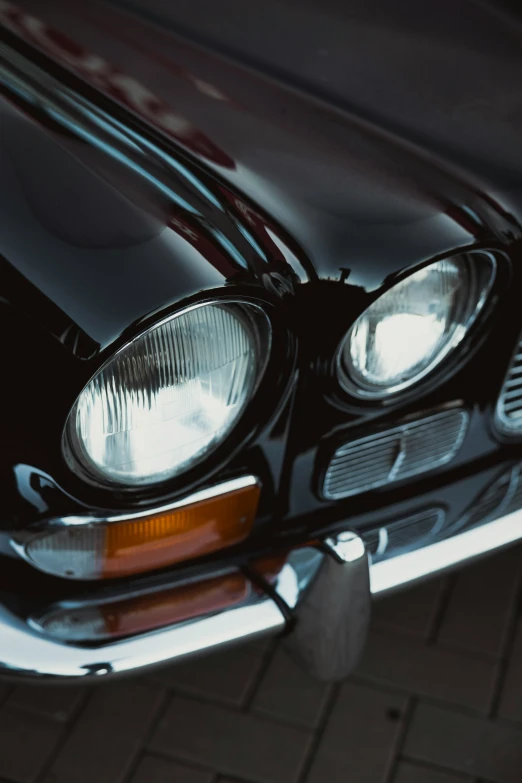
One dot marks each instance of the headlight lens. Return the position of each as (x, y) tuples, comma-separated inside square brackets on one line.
[(405, 333), (169, 397)]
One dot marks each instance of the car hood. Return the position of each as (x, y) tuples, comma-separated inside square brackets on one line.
[(377, 136)]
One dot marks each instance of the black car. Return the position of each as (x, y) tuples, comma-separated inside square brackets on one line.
[(260, 313)]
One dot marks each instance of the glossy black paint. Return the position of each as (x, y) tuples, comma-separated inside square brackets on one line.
[(148, 161)]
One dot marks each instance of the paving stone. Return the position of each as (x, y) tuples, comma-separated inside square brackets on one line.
[(410, 612), (27, 743), (231, 742), (426, 670), (407, 772), (154, 770), (510, 705), (477, 617), (289, 694), (52, 734), (107, 737), (360, 737), (226, 676), (58, 703), (471, 745)]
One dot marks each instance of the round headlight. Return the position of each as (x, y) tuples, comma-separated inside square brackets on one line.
[(169, 397), (411, 328)]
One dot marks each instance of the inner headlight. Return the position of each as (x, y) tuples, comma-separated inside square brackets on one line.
[(411, 328), (169, 397)]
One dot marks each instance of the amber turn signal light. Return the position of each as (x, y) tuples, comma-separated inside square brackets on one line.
[(124, 546), (148, 612)]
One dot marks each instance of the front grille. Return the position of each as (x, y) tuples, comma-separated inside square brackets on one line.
[(395, 454), (509, 405), (403, 535)]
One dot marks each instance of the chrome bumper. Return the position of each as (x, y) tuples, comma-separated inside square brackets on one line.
[(443, 555), (322, 594)]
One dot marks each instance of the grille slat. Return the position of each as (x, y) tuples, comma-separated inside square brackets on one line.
[(365, 453), (380, 456), (512, 405), (391, 441), (340, 476), (379, 443), (514, 383), (513, 386), (509, 405), (399, 453), (512, 394)]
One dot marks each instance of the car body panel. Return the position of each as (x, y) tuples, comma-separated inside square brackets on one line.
[(305, 157)]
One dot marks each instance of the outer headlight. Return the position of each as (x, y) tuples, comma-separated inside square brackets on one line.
[(411, 328), (169, 397)]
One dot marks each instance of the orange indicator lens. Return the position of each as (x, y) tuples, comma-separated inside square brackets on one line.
[(105, 550), (175, 605), (130, 616)]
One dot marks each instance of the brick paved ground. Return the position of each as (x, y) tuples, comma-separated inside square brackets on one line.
[(437, 699)]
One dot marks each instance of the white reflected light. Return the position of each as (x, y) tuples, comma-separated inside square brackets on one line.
[(168, 397), (416, 334)]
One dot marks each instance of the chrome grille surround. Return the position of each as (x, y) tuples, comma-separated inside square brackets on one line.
[(508, 414), (392, 455)]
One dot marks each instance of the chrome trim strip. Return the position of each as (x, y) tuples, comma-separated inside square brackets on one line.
[(26, 653), (412, 566), (197, 497)]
